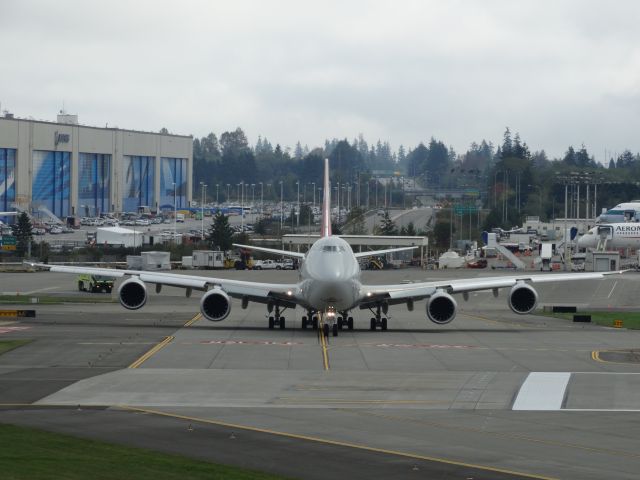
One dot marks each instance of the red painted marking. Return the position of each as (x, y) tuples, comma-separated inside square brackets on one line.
[(249, 342), (12, 329)]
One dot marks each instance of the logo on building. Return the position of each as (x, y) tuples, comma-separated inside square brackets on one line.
[(61, 138)]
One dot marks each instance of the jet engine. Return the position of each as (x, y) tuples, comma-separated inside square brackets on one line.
[(522, 298), (215, 305), (441, 308), (132, 293)]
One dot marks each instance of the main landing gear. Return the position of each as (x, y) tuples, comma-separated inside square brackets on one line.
[(277, 319), (310, 320), (345, 321), (378, 320)]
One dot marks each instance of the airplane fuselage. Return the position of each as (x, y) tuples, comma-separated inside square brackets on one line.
[(330, 276), (619, 235)]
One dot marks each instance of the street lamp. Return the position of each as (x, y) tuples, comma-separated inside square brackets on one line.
[(217, 203), (203, 200), (314, 193), (298, 207), (281, 206), (175, 211), (261, 199), (228, 192)]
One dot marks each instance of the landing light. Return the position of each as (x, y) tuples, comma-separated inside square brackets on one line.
[(368, 294), (289, 292)]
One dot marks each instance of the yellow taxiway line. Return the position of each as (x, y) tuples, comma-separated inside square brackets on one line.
[(338, 443), (197, 317), (151, 352), (323, 344)]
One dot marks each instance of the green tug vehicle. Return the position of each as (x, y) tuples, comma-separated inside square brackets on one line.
[(95, 283)]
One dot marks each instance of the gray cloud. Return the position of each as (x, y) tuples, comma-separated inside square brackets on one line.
[(560, 73)]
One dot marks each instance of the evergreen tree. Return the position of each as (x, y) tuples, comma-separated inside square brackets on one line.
[(23, 232), (411, 230), (220, 233), (612, 164), (387, 227)]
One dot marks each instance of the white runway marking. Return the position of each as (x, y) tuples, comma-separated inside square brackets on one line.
[(612, 289), (542, 391)]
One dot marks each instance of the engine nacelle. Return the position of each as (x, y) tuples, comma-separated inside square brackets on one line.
[(441, 308), (132, 294), (215, 305), (523, 298)]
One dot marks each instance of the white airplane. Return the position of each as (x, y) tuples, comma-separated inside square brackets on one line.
[(612, 236), (328, 288), (623, 212)]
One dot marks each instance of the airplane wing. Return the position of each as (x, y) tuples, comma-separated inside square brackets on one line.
[(254, 291), (275, 251), (401, 293), (373, 253)]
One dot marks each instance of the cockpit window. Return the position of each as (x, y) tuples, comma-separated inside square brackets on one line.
[(333, 248)]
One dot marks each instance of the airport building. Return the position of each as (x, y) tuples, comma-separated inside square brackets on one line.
[(66, 169)]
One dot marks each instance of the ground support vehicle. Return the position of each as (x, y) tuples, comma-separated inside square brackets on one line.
[(94, 283)]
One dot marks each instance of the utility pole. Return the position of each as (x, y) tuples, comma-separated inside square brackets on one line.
[(298, 207), (281, 206)]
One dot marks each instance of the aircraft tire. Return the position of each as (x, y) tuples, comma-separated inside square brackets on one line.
[(340, 323), (325, 329), (335, 329), (350, 323), (384, 324), (281, 323), (315, 323), (304, 323), (271, 323), (373, 324)]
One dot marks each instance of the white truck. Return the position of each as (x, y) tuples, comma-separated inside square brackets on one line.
[(267, 265)]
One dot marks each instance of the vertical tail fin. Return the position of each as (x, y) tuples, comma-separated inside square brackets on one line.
[(325, 230)]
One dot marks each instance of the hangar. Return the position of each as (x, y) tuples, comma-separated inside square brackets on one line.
[(63, 168)]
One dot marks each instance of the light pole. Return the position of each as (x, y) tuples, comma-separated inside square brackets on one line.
[(217, 203), (281, 206), (202, 199), (175, 211), (228, 192), (261, 199), (242, 206), (314, 194), (298, 207)]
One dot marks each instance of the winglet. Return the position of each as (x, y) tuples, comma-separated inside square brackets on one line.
[(326, 203)]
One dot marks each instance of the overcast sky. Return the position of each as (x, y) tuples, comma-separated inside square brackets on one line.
[(560, 73)]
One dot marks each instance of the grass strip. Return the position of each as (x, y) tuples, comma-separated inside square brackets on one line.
[(27, 453), (630, 320), (7, 345)]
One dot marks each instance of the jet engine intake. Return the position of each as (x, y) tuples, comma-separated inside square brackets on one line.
[(215, 305), (132, 293), (441, 308), (523, 298)]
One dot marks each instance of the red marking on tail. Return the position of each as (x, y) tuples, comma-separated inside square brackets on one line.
[(325, 230)]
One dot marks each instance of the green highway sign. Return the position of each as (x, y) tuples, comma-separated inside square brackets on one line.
[(8, 240), (462, 209)]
